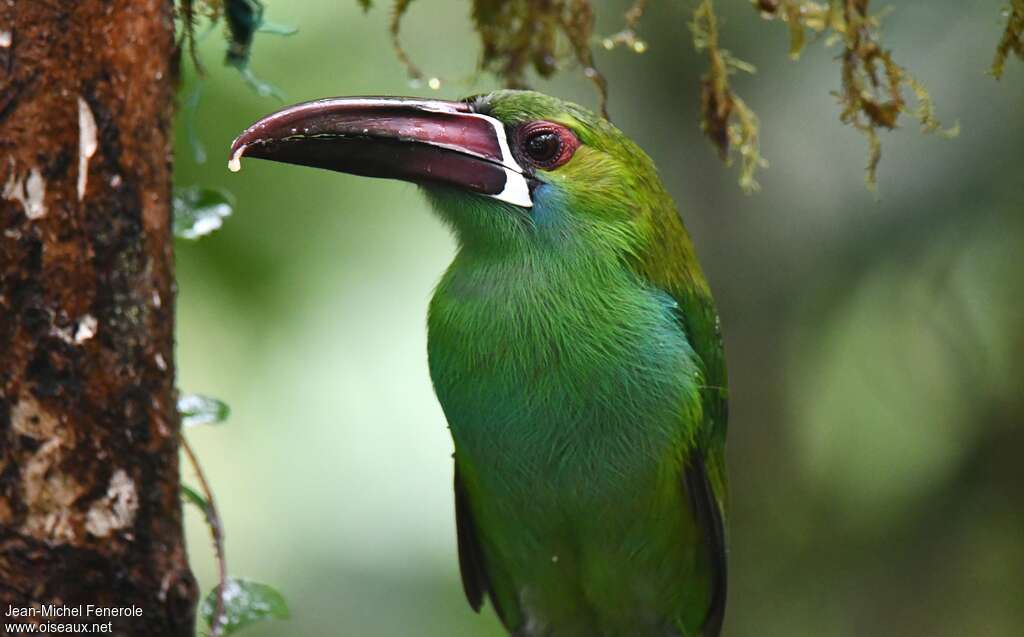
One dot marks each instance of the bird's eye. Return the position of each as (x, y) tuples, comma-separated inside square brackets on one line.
[(543, 146), (546, 145)]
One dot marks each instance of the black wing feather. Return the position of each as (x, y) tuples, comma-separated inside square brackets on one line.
[(475, 581), (708, 515)]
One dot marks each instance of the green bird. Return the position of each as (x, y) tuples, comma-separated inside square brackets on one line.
[(575, 349)]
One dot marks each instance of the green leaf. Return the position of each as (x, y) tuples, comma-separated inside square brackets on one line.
[(193, 497), (196, 409), (245, 602), (200, 211)]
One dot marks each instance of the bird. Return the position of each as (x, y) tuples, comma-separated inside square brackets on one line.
[(574, 347)]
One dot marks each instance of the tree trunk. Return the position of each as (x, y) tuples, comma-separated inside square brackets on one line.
[(90, 512)]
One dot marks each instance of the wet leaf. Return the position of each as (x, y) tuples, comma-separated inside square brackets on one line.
[(245, 602), (200, 211), (196, 409)]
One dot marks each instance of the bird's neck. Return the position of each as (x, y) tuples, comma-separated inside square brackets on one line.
[(517, 317), (566, 351)]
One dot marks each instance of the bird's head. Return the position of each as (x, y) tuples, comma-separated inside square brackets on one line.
[(509, 170)]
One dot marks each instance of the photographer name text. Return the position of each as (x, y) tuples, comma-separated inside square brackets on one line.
[(85, 610)]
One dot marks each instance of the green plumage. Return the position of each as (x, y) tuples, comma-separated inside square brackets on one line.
[(574, 347)]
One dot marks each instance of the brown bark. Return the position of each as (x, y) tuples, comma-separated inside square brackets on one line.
[(89, 488)]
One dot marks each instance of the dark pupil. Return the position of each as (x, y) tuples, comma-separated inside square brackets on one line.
[(544, 146)]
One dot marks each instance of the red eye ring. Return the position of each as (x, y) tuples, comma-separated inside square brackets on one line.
[(546, 145)]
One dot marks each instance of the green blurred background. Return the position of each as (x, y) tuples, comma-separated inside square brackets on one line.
[(876, 348)]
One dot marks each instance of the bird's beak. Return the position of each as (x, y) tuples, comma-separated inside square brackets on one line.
[(423, 141)]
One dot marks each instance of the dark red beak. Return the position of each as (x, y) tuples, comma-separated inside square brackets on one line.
[(422, 141)]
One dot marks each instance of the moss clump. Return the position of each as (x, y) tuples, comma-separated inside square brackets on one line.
[(548, 36), (1012, 41), (726, 119), (628, 37), (872, 84), (192, 11), (522, 35), (517, 35)]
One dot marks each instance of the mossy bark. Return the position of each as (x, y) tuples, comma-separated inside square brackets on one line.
[(89, 488)]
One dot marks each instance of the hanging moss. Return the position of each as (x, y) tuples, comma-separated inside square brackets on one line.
[(725, 118), (242, 19), (628, 35), (801, 16), (872, 84), (191, 12), (1012, 41), (545, 37), (398, 10)]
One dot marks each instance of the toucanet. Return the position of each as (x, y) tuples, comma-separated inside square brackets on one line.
[(575, 349)]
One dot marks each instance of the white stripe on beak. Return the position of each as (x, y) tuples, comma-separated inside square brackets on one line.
[(517, 190)]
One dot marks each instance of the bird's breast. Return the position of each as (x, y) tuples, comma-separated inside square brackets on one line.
[(549, 376)]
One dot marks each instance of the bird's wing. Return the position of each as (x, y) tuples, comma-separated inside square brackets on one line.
[(708, 515), (673, 269), (704, 472), (475, 581)]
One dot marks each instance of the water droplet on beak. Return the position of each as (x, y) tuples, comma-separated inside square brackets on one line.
[(235, 163)]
